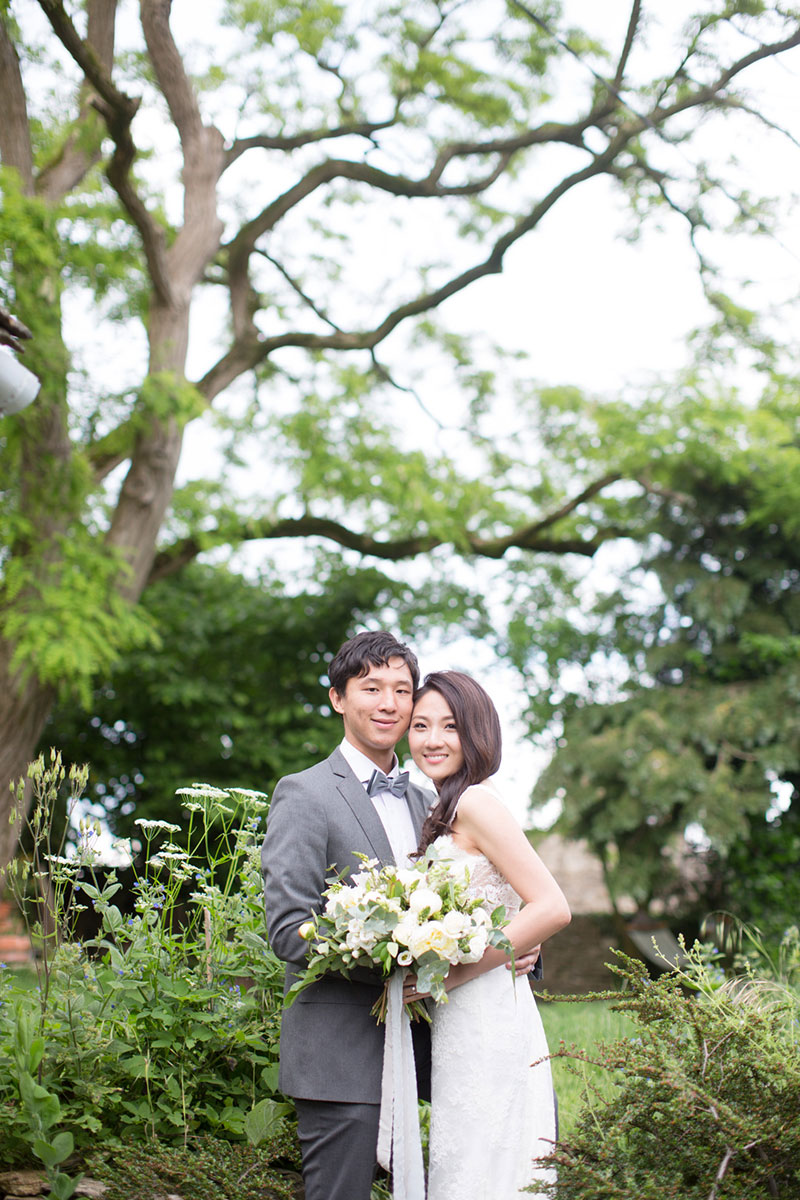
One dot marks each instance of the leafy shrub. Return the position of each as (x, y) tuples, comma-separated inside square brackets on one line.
[(707, 1097), (165, 1025), (208, 1169)]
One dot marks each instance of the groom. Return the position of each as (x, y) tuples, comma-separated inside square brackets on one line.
[(356, 801)]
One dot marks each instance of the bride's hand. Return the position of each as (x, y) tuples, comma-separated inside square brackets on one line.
[(526, 962)]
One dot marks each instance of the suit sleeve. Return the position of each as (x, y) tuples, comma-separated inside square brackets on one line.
[(294, 864)]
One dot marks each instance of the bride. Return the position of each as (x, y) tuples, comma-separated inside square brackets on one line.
[(492, 1104)]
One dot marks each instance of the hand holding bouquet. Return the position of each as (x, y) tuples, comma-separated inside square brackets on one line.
[(420, 917)]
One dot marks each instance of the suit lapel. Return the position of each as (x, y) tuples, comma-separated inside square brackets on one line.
[(352, 791)]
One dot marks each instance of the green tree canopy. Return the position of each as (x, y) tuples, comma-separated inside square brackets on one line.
[(695, 720), (235, 181)]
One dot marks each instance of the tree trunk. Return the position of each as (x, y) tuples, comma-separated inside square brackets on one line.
[(24, 709)]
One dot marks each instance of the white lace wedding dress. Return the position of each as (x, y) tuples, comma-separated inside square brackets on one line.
[(492, 1112)]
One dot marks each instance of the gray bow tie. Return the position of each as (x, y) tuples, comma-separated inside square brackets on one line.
[(378, 782)]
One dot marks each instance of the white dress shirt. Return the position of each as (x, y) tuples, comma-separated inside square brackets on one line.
[(392, 810)]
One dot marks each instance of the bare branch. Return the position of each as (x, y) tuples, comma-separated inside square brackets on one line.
[(711, 93), (630, 37), (78, 153), (118, 110), (530, 537), (86, 57), (295, 286), (249, 350), (203, 151), (365, 129), (734, 102)]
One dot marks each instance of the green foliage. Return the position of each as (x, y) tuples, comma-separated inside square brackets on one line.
[(41, 1108), (235, 687), (164, 1026), (165, 397), (758, 878), (65, 615), (407, 494), (706, 1100), (207, 1169), (690, 715)]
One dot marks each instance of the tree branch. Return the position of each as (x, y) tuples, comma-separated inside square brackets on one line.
[(170, 71), (709, 93), (203, 151), (630, 37), (118, 111), (365, 129), (15, 138), (78, 153), (248, 351), (530, 537)]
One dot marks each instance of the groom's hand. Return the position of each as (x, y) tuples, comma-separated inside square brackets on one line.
[(410, 993), (526, 962)]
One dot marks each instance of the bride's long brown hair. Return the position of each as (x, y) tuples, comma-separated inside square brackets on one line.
[(478, 728)]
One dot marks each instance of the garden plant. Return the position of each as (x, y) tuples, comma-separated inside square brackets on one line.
[(162, 1028), (706, 1097)]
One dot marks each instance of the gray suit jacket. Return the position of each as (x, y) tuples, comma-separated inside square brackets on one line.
[(331, 1048)]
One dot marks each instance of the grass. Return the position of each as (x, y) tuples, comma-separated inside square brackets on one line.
[(581, 1023)]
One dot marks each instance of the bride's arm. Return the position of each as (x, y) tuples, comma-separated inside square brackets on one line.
[(485, 825)]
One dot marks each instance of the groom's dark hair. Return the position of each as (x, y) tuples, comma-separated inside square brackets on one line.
[(371, 649)]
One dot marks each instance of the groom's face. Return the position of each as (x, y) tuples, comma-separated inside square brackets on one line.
[(376, 709)]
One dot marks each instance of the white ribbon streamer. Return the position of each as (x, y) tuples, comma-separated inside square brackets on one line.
[(399, 1140)]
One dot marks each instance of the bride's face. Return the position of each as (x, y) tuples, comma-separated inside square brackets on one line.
[(433, 738)]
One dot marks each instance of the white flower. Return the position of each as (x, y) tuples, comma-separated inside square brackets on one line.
[(456, 923), (248, 794), (423, 898), (433, 936), (204, 791), (404, 958), (477, 946), (358, 938), (404, 930), (63, 862), (165, 825), (408, 878), (306, 930)]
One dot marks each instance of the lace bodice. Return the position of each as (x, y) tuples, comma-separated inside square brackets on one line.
[(485, 881)]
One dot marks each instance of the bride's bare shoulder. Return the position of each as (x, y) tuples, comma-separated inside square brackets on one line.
[(479, 796)]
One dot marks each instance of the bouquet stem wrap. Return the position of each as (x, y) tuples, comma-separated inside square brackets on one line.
[(399, 1141)]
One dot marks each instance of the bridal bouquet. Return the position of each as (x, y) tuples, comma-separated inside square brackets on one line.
[(420, 917)]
